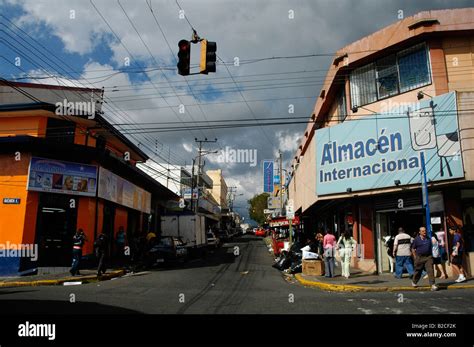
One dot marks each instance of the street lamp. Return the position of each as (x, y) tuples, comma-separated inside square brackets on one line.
[(422, 94)]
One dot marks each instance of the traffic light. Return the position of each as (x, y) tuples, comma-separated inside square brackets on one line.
[(208, 57), (184, 56)]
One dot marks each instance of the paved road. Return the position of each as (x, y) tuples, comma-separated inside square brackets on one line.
[(224, 283)]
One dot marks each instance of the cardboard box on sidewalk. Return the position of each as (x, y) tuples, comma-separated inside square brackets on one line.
[(313, 267)]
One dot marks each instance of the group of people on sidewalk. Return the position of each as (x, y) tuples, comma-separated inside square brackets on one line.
[(326, 246), (420, 255), (125, 252)]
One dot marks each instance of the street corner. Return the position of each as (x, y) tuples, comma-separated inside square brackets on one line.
[(332, 287), (66, 280), (313, 282)]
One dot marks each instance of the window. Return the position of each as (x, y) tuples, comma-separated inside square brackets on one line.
[(58, 130), (387, 77), (341, 105), (166, 242), (413, 68), (392, 75), (363, 90)]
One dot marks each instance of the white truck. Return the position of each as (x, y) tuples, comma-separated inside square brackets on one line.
[(190, 228)]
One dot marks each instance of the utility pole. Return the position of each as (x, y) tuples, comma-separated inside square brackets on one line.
[(192, 186), (231, 191), (199, 173)]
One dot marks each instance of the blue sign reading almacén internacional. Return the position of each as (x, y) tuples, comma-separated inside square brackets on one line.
[(376, 150)]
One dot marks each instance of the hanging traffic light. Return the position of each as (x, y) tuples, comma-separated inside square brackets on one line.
[(184, 56), (208, 57)]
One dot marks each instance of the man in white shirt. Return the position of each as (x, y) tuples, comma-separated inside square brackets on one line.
[(402, 253)]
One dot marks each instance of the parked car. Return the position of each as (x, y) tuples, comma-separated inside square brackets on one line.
[(167, 249), (212, 240), (224, 235), (261, 232)]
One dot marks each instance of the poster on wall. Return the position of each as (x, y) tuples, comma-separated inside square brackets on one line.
[(56, 176), (116, 189), (385, 149)]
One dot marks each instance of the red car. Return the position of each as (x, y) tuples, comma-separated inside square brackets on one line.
[(260, 232)]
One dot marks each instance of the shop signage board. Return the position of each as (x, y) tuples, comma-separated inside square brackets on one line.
[(282, 222), (268, 176), (273, 202), (276, 179), (376, 150), (187, 193), (56, 176), (290, 213), (117, 189)]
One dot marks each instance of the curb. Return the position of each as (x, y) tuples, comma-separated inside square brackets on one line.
[(354, 288), (60, 281)]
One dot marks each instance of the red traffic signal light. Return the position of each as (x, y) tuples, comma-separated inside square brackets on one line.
[(184, 57)]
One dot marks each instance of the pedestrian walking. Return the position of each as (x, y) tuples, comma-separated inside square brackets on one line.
[(389, 241), (457, 253), (443, 255), (120, 244), (422, 252), (329, 245), (346, 243), (77, 243), (100, 246), (402, 253)]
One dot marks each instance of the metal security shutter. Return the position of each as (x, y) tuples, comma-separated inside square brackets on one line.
[(389, 202)]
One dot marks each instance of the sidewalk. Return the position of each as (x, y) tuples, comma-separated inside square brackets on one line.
[(63, 278), (367, 282)]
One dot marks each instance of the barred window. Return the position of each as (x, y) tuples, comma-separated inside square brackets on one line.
[(363, 89), (392, 75), (413, 68), (387, 77)]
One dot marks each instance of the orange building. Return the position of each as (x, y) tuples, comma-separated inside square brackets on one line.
[(64, 167)]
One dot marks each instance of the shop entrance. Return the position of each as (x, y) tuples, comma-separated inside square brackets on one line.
[(133, 223), (388, 223), (108, 225), (55, 227)]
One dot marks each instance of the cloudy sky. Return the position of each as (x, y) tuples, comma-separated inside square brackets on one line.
[(129, 48)]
